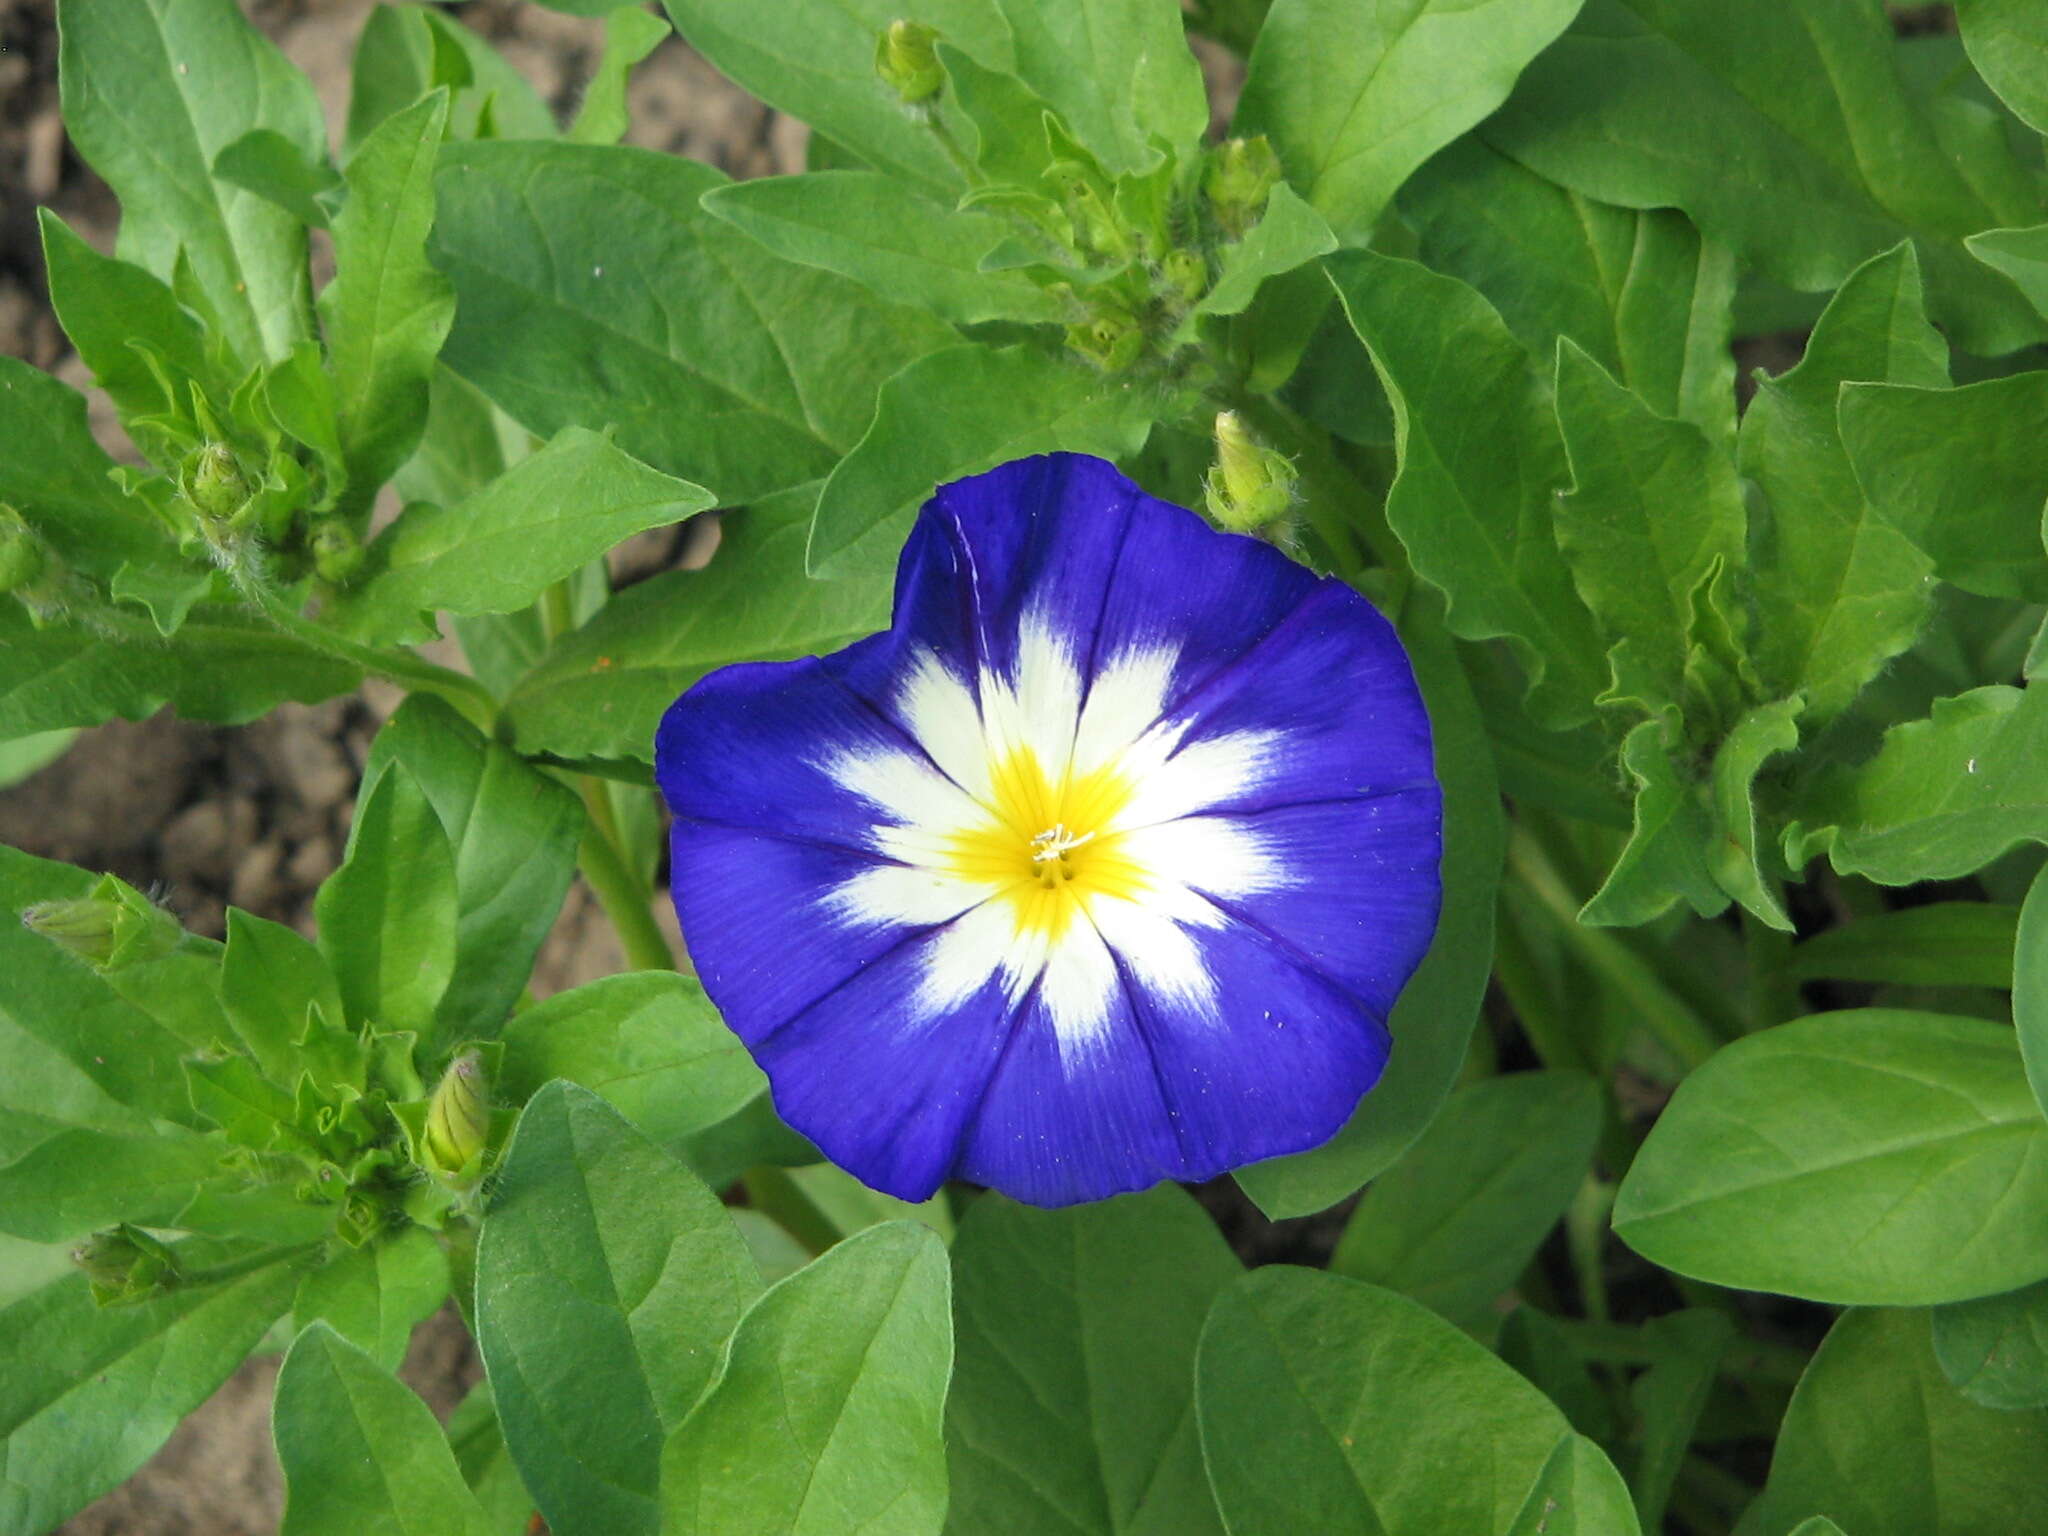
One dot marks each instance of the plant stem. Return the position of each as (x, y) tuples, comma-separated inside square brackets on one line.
[(248, 1264), (469, 696), (1585, 1232), (618, 890), (1682, 1031)]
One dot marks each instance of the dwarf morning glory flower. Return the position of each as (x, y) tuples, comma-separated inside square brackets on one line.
[(1103, 865)]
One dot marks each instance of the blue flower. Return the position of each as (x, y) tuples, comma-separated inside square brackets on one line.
[(1103, 865)]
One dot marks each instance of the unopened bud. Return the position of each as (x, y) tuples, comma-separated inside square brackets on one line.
[(1111, 339), (907, 60), (1250, 486), (458, 1121), (214, 482), (1187, 274), (114, 926), (1240, 175), (337, 553), (125, 1264), (22, 558)]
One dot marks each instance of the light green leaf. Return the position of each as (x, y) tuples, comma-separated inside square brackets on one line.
[(1665, 858), (1653, 507), (608, 1277), (113, 310), (1995, 1349), (497, 550), (637, 310), (825, 1203), (153, 91), (26, 756), (650, 1042), (825, 1415), (1840, 590), (1961, 473), (1289, 235), (1784, 130), (373, 1296), (2022, 255), (1460, 1216), (630, 34), (2008, 42), (1432, 1021), (267, 163), (888, 237), (2029, 977), (1071, 1411), (60, 1181), (1478, 524), (1872, 1156), (387, 311), (405, 51), (956, 413), (273, 983), (1743, 862), (362, 1455), (1355, 97), (387, 916), (513, 832), (1944, 796), (1878, 1441), (1943, 944), (87, 1394), (601, 690), (1333, 1406), (1118, 71)]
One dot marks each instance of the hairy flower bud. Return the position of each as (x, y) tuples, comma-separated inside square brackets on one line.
[(214, 482), (1240, 175), (125, 1264), (458, 1121), (1111, 339), (1187, 274), (906, 58), (113, 926), (1250, 486), (337, 552)]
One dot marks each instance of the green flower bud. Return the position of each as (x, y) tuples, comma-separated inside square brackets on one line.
[(337, 553), (214, 483), (22, 557), (908, 62), (458, 1122), (125, 1264), (1187, 274), (1241, 173), (116, 925), (1250, 487), (1111, 339)]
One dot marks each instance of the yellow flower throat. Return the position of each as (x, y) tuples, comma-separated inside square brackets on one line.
[(1046, 844)]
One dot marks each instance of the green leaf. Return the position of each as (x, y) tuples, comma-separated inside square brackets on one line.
[(2029, 978), (1665, 858), (1960, 474), (1878, 1441), (60, 1181), (1783, 130), (888, 237), (1432, 1021), (1840, 590), (818, 63), (1355, 98), (636, 309), (2022, 255), (1072, 1405), (1742, 860), (1333, 1406), (1944, 796), (113, 311), (1867, 1157), (826, 1411), (1653, 507), (1645, 296), (2008, 42), (362, 1455), (608, 1278), (267, 163), (513, 832), (387, 311), (387, 916), (1291, 234), (650, 1042), (226, 669), (1118, 71), (282, 998), (956, 413), (479, 1446), (26, 756), (1669, 1397), (1995, 1349), (1477, 525), (630, 34), (823, 1203), (497, 550), (87, 1394), (118, 1054), (373, 1296), (1943, 944), (601, 690), (1455, 1222), (405, 51), (153, 91)]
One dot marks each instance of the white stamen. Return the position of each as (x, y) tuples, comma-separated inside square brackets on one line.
[(1056, 842)]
